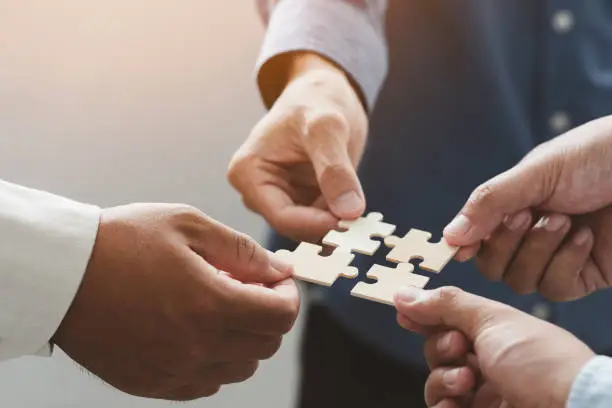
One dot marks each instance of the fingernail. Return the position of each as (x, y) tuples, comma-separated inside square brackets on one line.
[(450, 377), (554, 222), (445, 342), (348, 203), (410, 294), (279, 264), (459, 226), (582, 236), (517, 221)]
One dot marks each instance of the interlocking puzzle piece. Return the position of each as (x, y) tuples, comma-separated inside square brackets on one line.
[(309, 266), (388, 282), (360, 231), (415, 244)]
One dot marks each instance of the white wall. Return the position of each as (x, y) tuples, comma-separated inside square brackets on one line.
[(118, 101)]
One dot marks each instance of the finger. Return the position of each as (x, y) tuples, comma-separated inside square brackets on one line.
[(244, 346), (236, 253), (592, 277), (466, 253), (258, 309), (448, 382), (326, 137), (188, 392), (448, 403), (228, 373), (450, 307), (446, 348), (536, 251), (265, 189), (302, 223), (498, 250), (522, 187), (567, 274), (472, 362), (409, 325)]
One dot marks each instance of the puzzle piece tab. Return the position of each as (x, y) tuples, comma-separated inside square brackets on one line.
[(309, 266), (415, 244), (388, 282), (360, 231)]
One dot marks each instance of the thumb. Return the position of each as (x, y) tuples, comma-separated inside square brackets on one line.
[(237, 254), (326, 142), (448, 307), (525, 185)]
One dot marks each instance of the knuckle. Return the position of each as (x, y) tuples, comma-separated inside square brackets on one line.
[(448, 295), (286, 317), (553, 294), (271, 347), (247, 251), (237, 169), (325, 122), (208, 391), (247, 371), (521, 288), (334, 172), (186, 217), (293, 309), (198, 352), (483, 195)]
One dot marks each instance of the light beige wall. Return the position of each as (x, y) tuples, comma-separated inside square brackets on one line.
[(118, 101)]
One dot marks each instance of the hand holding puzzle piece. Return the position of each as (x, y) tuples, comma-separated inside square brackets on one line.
[(311, 267)]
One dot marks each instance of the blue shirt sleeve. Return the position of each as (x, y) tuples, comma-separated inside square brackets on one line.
[(348, 32), (593, 386)]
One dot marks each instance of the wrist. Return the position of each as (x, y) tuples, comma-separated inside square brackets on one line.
[(279, 72), (304, 62), (572, 377)]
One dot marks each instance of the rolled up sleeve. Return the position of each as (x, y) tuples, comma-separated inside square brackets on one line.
[(348, 32)]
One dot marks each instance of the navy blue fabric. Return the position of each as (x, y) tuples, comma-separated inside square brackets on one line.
[(471, 88)]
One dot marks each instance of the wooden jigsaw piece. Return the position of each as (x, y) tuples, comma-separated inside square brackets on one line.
[(310, 266), (360, 231), (388, 282), (415, 244)]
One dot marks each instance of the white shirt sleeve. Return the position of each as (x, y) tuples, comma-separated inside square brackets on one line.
[(45, 245), (593, 386)]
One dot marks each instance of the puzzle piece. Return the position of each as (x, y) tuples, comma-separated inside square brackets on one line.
[(415, 244), (388, 281), (360, 231), (309, 266)]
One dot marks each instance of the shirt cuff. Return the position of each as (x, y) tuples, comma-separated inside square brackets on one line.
[(45, 245), (592, 387), (347, 34)]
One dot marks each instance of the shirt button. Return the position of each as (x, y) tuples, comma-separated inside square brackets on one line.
[(559, 122), (541, 311), (563, 21)]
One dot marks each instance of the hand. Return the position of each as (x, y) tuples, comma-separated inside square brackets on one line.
[(537, 225), (562, 257), (297, 167), (154, 318), (486, 354)]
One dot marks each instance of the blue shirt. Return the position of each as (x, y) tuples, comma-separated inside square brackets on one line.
[(472, 86)]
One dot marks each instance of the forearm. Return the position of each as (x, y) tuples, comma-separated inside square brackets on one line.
[(45, 244), (593, 386), (347, 36)]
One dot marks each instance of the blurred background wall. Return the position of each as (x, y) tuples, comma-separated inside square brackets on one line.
[(120, 101)]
